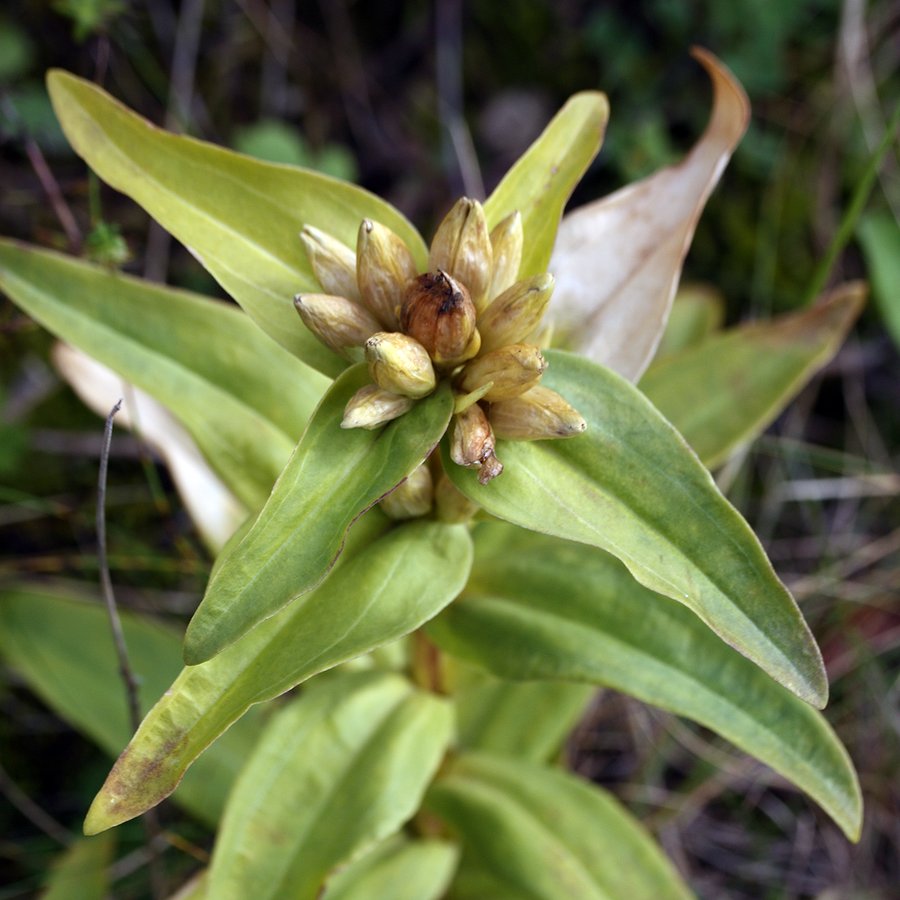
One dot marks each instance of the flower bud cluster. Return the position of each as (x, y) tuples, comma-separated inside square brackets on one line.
[(468, 319)]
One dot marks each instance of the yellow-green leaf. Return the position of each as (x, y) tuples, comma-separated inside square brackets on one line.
[(333, 476), (630, 485), (527, 719), (727, 389), (240, 217), (373, 596), (398, 868), (697, 312), (61, 644), (548, 608), (341, 768), (544, 834), (204, 360), (540, 183)]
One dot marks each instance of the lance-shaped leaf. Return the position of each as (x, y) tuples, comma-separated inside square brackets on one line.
[(553, 609), (617, 261), (62, 646), (527, 719), (338, 770), (240, 217), (727, 389), (398, 868), (215, 511), (630, 485), (81, 871), (373, 596), (333, 476), (541, 182), (541, 833), (202, 359), (697, 312)]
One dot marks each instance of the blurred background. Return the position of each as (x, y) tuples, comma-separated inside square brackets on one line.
[(421, 102)]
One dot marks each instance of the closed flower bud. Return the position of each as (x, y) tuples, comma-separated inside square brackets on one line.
[(507, 240), (333, 263), (462, 248), (512, 370), (337, 322), (371, 407), (384, 266), (400, 364), (513, 315), (472, 444), (412, 497), (536, 415), (450, 504), (438, 312)]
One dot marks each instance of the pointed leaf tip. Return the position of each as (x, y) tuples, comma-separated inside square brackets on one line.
[(618, 260)]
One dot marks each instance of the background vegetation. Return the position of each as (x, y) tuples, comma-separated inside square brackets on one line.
[(421, 102)]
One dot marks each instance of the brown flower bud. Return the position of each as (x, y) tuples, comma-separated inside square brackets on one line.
[(333, 263), (371, 407), (438, 312), (412, 497), (472, 444), (384, 266), (450, 504), (536, 415), (507, 240), (400, 364), (513, 315), (462, 248), (512, 370), (337, 322)]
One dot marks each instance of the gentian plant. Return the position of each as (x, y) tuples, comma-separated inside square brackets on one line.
[(499, 499)]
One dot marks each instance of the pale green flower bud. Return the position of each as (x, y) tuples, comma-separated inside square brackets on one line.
[(337, 322), (371, 407), (333, 263), (384, 266), (412, 497), (438, 312), (450, 504), (507, 240), (512, 370), (472, 443), (400, 364), (462, 249), (513, 315), (536, 415)]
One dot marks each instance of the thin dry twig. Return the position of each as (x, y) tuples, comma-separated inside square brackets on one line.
[(151, 823)]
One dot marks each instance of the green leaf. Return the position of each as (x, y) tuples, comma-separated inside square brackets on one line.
[(203, 359), (333, 476), (526, 719), (879, 237), (630, 485), (82, 871), (544, 834), (239, 216), (398, 868), (697, 313), (540, 183), (727, 389), (338, 770), (386, 590), (63, 648), (548, 608)]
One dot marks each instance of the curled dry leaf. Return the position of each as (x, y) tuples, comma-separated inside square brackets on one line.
[(617, 261), (216, 512)]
